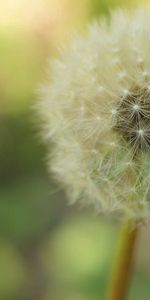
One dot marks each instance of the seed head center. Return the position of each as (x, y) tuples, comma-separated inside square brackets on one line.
[(136, 107), (141, 132), (132, 120)]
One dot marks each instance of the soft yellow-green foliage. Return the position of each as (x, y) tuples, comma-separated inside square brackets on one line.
[(80, 109), (12, 270)]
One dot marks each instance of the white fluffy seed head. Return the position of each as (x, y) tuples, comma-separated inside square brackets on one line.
[(96, 110)]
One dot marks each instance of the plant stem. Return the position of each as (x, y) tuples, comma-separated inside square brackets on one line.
[(123, 264)]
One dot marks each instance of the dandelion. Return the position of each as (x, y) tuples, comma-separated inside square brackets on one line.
[(96, 110)]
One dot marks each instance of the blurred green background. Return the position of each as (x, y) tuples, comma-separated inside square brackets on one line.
[(48, 250)]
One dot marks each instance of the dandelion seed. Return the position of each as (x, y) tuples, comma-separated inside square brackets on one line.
[(113, 112), (140, 132), (126, 92), (136, 107)]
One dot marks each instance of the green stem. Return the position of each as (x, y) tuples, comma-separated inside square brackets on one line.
[(123, 264)]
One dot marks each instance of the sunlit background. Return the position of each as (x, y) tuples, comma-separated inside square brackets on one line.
[(48, 251)]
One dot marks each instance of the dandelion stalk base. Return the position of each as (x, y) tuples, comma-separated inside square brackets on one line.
[(124, 263)]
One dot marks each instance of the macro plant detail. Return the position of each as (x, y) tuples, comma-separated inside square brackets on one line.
[(95, 109), (133, 120)]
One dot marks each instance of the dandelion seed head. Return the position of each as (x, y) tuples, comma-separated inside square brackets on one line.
[(96, 111)]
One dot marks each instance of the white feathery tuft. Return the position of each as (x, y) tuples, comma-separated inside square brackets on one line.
[(96, 110)]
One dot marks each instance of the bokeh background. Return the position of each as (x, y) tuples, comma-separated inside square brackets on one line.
[(48, 250)]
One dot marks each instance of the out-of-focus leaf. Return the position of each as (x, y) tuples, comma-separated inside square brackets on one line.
[(79, 255), (12, 271)]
